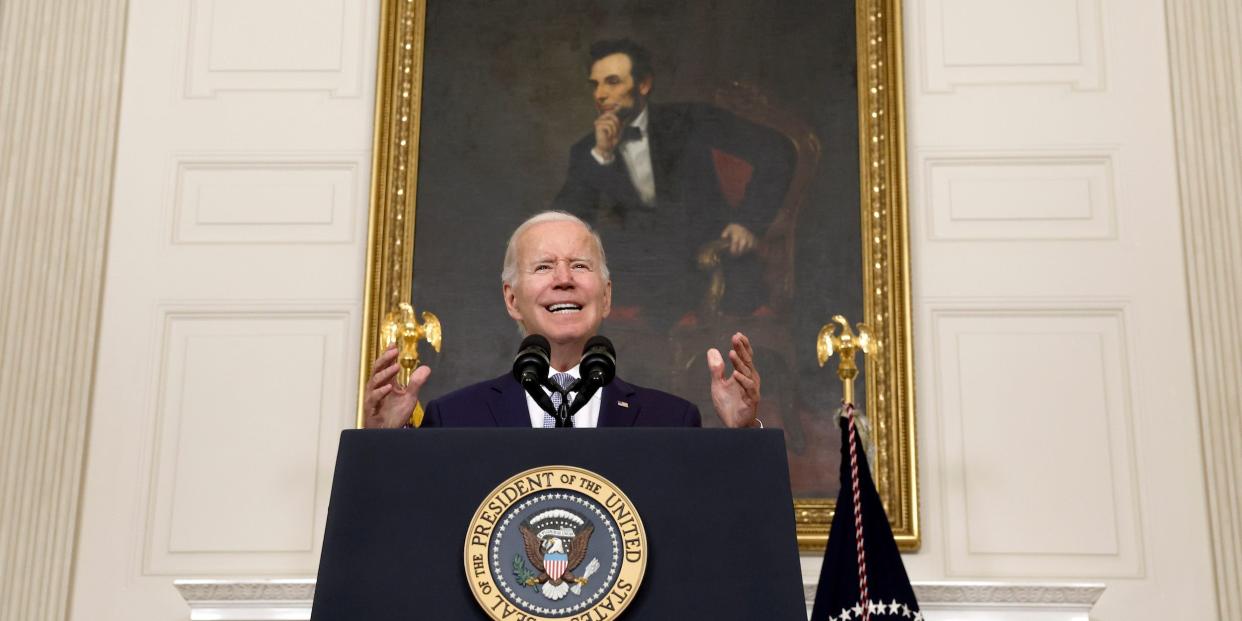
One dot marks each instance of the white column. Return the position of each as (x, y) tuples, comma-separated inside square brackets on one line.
[(1205, 39), (60, 77)]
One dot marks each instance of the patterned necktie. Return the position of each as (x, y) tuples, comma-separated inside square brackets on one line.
[(564, 380)]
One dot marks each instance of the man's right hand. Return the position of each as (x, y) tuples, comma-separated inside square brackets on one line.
[(387, 405), (607, 135)]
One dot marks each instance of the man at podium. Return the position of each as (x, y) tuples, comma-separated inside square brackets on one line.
[(556, 284)]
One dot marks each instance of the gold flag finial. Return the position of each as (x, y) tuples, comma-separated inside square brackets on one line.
[(846, 344), (401, 328)]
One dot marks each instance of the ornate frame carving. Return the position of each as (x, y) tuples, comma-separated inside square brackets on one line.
[(886, 277)]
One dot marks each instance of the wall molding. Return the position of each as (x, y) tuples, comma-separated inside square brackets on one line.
[(59, 102), (1205, 53), (1000, 594), (256, 599), (282, 591)]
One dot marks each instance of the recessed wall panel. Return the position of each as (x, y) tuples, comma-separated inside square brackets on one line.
[(1019, 434), (1037, 463), (266, 200), (275, 35), (274, 46), (245, 453), (994, 42), (246, 400), (1010, 32), (1005, 196)]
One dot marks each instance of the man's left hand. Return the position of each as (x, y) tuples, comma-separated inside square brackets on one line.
[(736, 398), (740, 239)]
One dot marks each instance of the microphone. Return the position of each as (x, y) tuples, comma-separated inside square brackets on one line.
[(598, 366), (599, 361), (530, 369), (533, 359)]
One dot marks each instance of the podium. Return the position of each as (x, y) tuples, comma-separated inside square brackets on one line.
[(715, 505)]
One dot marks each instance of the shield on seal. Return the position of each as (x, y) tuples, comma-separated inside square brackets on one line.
[(554, 563)]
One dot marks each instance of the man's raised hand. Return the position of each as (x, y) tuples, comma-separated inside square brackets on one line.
[(607, 135), (387, 405), (736, 397)]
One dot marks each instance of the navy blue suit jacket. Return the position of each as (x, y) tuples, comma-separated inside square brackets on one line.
[(501, 402)]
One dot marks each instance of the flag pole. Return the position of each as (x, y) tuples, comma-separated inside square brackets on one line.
[(848, 345), (840, 595)]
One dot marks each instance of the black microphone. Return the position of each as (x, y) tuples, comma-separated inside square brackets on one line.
[(599, 361), (530, 369), (533, 359), (598, 366)]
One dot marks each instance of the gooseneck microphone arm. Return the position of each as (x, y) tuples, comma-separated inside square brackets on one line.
[(535, 390), (585, 391)]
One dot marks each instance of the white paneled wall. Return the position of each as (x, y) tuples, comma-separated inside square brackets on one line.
[(229, 336), (1057, 427), (1055, 391)]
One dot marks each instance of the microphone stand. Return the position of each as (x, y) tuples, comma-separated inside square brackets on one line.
[(584, 395), (533, 388), (562, 416), (566, 412)]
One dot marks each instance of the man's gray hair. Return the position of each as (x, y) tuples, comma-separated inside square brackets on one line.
[(509, 272)]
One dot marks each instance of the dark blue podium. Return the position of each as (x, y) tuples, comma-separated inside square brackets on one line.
[(715, 504)]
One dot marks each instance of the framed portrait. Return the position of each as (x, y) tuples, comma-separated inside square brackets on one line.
[(757, 184)]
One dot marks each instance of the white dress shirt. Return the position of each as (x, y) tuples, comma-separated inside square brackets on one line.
[(588, 416), (637, 156)]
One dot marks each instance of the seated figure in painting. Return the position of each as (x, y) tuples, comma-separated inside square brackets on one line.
[(698, 203), (649, 178)]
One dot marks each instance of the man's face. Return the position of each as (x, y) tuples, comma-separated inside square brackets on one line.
[(615, 91), (559, 291)]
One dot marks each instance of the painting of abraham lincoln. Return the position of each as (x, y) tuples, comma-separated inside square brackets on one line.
[(713, 145)]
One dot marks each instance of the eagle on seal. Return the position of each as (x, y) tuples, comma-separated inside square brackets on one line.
[(557, 571)]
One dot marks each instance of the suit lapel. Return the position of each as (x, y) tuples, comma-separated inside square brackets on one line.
[(508, 403), (618, 407)]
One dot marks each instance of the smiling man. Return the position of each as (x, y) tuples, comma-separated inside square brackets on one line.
[(556, 283)]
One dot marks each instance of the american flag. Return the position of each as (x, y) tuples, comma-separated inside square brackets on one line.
[(863, 578)]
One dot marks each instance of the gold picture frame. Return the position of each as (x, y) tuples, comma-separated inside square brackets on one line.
[(889, 386)]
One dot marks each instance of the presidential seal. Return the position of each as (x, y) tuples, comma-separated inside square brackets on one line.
[(556, 542)]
